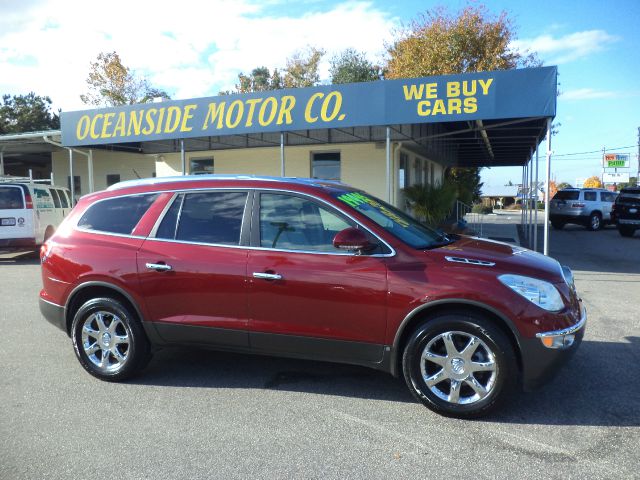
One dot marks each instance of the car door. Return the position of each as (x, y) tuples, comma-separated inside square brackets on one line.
[(307, 298), (192, 270)]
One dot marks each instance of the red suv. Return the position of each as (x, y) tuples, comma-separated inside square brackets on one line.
[(305, 269)]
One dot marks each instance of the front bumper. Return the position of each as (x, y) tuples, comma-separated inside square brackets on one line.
[(53, 313), (541, 362)]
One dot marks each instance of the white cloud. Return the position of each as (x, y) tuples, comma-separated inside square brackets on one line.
[(567, 48), (189, 49), (586, 94)]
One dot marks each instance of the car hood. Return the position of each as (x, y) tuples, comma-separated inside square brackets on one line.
[(502, 257)]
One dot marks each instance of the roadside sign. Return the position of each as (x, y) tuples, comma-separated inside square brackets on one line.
[(616, 160), (615, 177)]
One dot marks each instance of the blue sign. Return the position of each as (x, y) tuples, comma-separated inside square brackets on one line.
[(509, 94)]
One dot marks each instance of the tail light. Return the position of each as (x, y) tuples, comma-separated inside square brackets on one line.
[(577, 205), (28, 203), (45, 250)]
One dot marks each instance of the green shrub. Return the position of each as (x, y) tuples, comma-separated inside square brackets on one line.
[(429, 203)]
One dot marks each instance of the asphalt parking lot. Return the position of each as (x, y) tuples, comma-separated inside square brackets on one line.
[(200, 414)]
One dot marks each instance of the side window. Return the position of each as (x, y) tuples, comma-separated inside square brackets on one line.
[(208, 217), (590, 196), (294, 223), (56, 199), (167, 228), (41, 198), (116, 215), (64, 200)]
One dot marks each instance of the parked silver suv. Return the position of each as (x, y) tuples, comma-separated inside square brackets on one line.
[(590, 207)]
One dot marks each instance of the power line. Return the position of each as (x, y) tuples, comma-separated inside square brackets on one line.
[(593, 151)]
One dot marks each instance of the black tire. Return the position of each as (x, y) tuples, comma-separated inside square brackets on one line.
[(493, 344), (110, 323), (626, 230), (595, 222), (557, 224)]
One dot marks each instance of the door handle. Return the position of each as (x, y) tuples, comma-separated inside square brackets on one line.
[(267, 276), (159, 267)]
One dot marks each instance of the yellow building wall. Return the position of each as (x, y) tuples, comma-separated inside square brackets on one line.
[(130, 166), (362, 165)]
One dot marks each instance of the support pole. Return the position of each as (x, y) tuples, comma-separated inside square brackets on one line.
[(388, 177), (522, 197), (535, 199), (72, 183), (531, 199), (282, 154), (1, 162), (546, 190), (183, 158), (90, 171)]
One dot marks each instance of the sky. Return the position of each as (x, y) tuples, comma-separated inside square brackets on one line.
[(194, 49)]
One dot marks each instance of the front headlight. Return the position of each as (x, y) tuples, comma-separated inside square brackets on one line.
[(542, 293)]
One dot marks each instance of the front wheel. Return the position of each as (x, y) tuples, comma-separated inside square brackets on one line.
[(595, 222), (459, 365), (557, 225), (108, 340)]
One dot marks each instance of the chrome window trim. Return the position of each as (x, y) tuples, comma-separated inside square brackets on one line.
[(164, 211), (254, 189), (111, 234)]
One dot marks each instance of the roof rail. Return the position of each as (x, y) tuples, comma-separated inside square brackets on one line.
[(16, 179), (209, 177)]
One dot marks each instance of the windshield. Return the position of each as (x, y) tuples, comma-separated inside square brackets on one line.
[(397, 223)]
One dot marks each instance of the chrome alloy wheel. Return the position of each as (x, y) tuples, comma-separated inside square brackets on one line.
[(105, 341), (595, 222), (458, 367)]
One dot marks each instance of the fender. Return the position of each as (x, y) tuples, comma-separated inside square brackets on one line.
[(148, 326), (448, 302)]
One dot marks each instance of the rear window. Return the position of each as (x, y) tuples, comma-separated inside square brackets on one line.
[(567, 195), (11, 198), (116, 215)]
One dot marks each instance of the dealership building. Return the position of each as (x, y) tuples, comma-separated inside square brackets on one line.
[(379, 136)]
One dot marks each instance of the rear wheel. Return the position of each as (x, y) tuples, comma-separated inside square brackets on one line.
[(459, 365), (557, 224), (595, 221), (108, 340), (626, 230)]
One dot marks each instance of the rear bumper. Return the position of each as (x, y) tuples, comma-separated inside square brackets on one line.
[(628, 221), (539, 363), (17, 243), (53, 313)]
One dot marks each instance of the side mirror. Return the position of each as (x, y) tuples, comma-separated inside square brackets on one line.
[(352, 239)]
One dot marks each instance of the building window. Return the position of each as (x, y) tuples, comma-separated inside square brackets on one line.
[(200, 165), (77, 190), (326, 165), (113, 178), (403, 171), (417, 171)]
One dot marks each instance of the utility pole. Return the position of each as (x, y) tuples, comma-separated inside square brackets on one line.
[(638, 171)]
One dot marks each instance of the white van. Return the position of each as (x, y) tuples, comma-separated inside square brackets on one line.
[(30, 212)]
